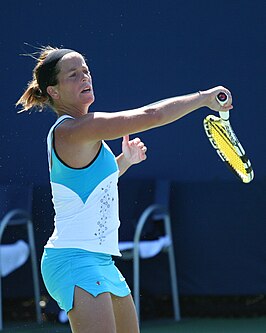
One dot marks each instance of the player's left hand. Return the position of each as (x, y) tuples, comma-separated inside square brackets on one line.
[(134, 150)]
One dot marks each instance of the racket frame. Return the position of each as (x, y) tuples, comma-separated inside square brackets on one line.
[(222, 98)]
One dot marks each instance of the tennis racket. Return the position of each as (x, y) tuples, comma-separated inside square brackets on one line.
[(226, 143)]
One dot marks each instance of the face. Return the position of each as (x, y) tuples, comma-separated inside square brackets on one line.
[(74, 88)]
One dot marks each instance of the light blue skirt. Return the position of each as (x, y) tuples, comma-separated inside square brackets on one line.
[(63, 269)]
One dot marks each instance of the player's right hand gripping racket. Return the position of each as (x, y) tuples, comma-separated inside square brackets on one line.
[(226, 144)]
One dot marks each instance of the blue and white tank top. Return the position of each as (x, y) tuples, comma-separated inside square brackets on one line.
[(85, 201)]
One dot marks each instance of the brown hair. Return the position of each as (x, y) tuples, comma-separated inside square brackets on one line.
[(34, 97)]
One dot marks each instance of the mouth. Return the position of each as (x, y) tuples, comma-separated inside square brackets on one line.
[(86, 90)]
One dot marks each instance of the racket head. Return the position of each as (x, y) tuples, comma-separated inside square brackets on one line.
[(230, 151)]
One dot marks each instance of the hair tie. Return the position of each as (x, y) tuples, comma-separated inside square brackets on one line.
[(47, 67)]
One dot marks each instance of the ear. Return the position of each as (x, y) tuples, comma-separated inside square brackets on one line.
[(53, 92)]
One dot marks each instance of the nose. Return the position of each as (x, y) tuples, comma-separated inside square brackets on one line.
[(85, 77)]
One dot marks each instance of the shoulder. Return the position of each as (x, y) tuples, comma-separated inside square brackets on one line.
[(71, 147), (68, 128)]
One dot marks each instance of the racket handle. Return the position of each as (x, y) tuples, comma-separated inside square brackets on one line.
[(222, 98), (224, 115)]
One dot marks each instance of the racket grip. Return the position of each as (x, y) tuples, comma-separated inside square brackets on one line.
[(224, 115), (222, 98)]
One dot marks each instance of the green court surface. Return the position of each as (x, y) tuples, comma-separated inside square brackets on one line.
[(239, 325)]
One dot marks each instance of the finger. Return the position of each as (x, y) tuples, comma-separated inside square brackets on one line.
[(143, 156), (125, 139), (226, 107), (136, 141), (143, 153)]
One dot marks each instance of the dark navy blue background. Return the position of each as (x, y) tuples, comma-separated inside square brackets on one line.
[(140, 52)]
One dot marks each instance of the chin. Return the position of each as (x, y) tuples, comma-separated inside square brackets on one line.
[(89, 101)]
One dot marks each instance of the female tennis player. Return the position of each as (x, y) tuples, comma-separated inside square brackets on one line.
[(77, 265)]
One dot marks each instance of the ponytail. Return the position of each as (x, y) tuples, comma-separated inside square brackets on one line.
[(34, 97)]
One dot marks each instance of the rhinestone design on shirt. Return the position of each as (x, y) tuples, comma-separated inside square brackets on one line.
[(106, 202)]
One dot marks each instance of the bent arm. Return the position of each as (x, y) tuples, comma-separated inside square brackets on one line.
[(133, 152), (123, 164)]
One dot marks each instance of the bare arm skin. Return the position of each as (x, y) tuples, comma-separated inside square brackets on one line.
[(78, 140)]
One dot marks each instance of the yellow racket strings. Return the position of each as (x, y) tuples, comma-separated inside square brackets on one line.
[(227, 149)]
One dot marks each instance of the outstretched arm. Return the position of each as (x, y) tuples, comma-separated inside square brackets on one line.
[(133, 152), (97, 126)]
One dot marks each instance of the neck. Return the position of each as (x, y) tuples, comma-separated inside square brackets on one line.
[(71, 110)]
